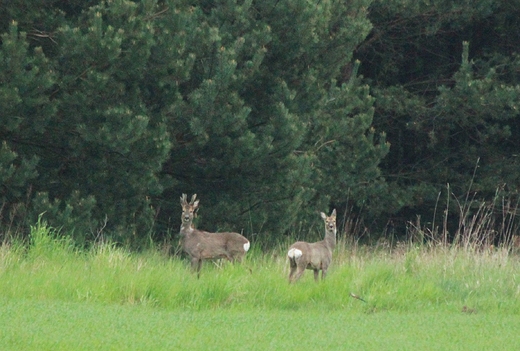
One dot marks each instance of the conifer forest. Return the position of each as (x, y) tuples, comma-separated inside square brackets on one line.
[(397, 113)]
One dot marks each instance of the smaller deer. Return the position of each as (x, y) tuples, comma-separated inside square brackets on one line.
[(201, 245), (315, 256)]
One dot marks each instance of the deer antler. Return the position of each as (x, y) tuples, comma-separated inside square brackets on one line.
[(184, 200)]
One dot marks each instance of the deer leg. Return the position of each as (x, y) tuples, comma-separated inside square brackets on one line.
[(316, 274), (299, 272), (196, 263), (293, 270), (324, 269), (199, 265), (193, 262)]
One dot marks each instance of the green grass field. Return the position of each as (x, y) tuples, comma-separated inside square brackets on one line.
[(55, 297), (58, 325)]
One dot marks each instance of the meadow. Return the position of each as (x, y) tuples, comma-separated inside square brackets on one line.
[(54, 296)]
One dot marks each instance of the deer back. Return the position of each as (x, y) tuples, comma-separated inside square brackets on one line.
[(205, 245), (314, 255)]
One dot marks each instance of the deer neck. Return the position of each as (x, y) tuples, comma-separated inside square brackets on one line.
[(330, 237), (186, 228)]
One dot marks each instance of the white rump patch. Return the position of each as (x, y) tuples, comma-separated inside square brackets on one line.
[(294, 253), (246, 246)]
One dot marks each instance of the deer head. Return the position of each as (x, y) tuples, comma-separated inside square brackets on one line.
[(189, 210), (330, 221)]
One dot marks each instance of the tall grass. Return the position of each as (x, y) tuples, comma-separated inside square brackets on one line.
[(405, 277)]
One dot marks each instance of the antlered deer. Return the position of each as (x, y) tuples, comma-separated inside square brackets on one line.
[(315, 256), (201, 245)]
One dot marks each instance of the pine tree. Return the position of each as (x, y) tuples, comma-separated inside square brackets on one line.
[(445, 79), (27, 78), (99, 148), (112, 146), (257, 107)]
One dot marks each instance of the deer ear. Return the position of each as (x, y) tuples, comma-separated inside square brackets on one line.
[(333, 214), (196, 204), (323, 216)]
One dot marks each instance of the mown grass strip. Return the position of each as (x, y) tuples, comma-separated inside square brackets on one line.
[(55, 325)]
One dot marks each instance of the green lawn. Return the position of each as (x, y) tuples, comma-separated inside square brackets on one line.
[(53, 325)]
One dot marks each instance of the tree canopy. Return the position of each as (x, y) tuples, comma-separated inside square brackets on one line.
[(271, 111)]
